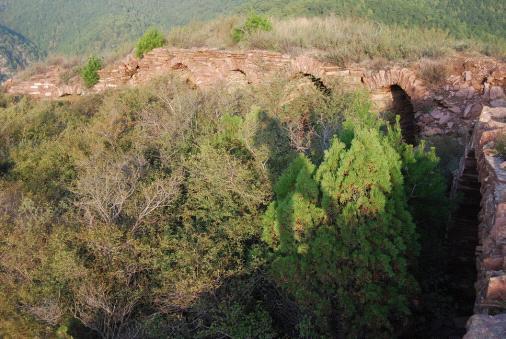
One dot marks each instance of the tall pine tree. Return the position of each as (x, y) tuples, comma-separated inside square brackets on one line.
[(343, 237), (375, 234)]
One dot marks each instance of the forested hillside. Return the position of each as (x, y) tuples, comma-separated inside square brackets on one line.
[(16, 51), (483, 19), (73, 26)]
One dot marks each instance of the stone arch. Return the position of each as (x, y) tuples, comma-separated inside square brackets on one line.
[(398, 91), (308, 65), (404, 78), (394, 99)]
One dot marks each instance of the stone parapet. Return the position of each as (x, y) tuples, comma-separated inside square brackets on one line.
[(491, 252), (450, 108)]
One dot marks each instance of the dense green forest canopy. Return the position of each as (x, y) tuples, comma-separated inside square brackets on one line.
[(73, 26), (165, 211)]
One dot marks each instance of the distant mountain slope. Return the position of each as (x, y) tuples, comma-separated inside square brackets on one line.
[(77, 26), (16, 52), (481, 19), (82, 27)]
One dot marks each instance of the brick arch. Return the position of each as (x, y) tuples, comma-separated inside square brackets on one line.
[(403, 78), (307, 66), (403, 107), (398, 91), (311, 69)]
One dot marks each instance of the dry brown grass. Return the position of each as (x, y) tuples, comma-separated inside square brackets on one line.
[(347, 40), (213, 34), (65, 63), (334, 39), (434, 72)]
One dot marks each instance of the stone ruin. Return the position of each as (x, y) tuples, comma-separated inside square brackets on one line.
[(451, 107), (469, 105)]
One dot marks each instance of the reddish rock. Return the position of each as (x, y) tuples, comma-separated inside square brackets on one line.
[(493, 263), (496, 291)]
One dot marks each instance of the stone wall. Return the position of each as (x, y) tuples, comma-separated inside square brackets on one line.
[(491, 252), (449, 108), (45, 85), (205, 68)]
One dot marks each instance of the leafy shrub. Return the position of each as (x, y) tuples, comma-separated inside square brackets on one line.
[(358, 211), (89, 73), (152, 39), (159, 195), (500, 145), (254, 23)]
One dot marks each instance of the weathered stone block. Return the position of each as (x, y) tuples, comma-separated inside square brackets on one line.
[(496, 290), (483, 326)]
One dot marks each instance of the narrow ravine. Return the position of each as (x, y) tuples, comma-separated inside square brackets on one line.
[(462, 242)]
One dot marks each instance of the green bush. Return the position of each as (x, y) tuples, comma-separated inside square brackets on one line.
[(152, 39), (153, 200), (359, 233), (254, 23), (89, 73)]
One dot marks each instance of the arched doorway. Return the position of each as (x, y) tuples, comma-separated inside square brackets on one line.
[(402, 106)]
